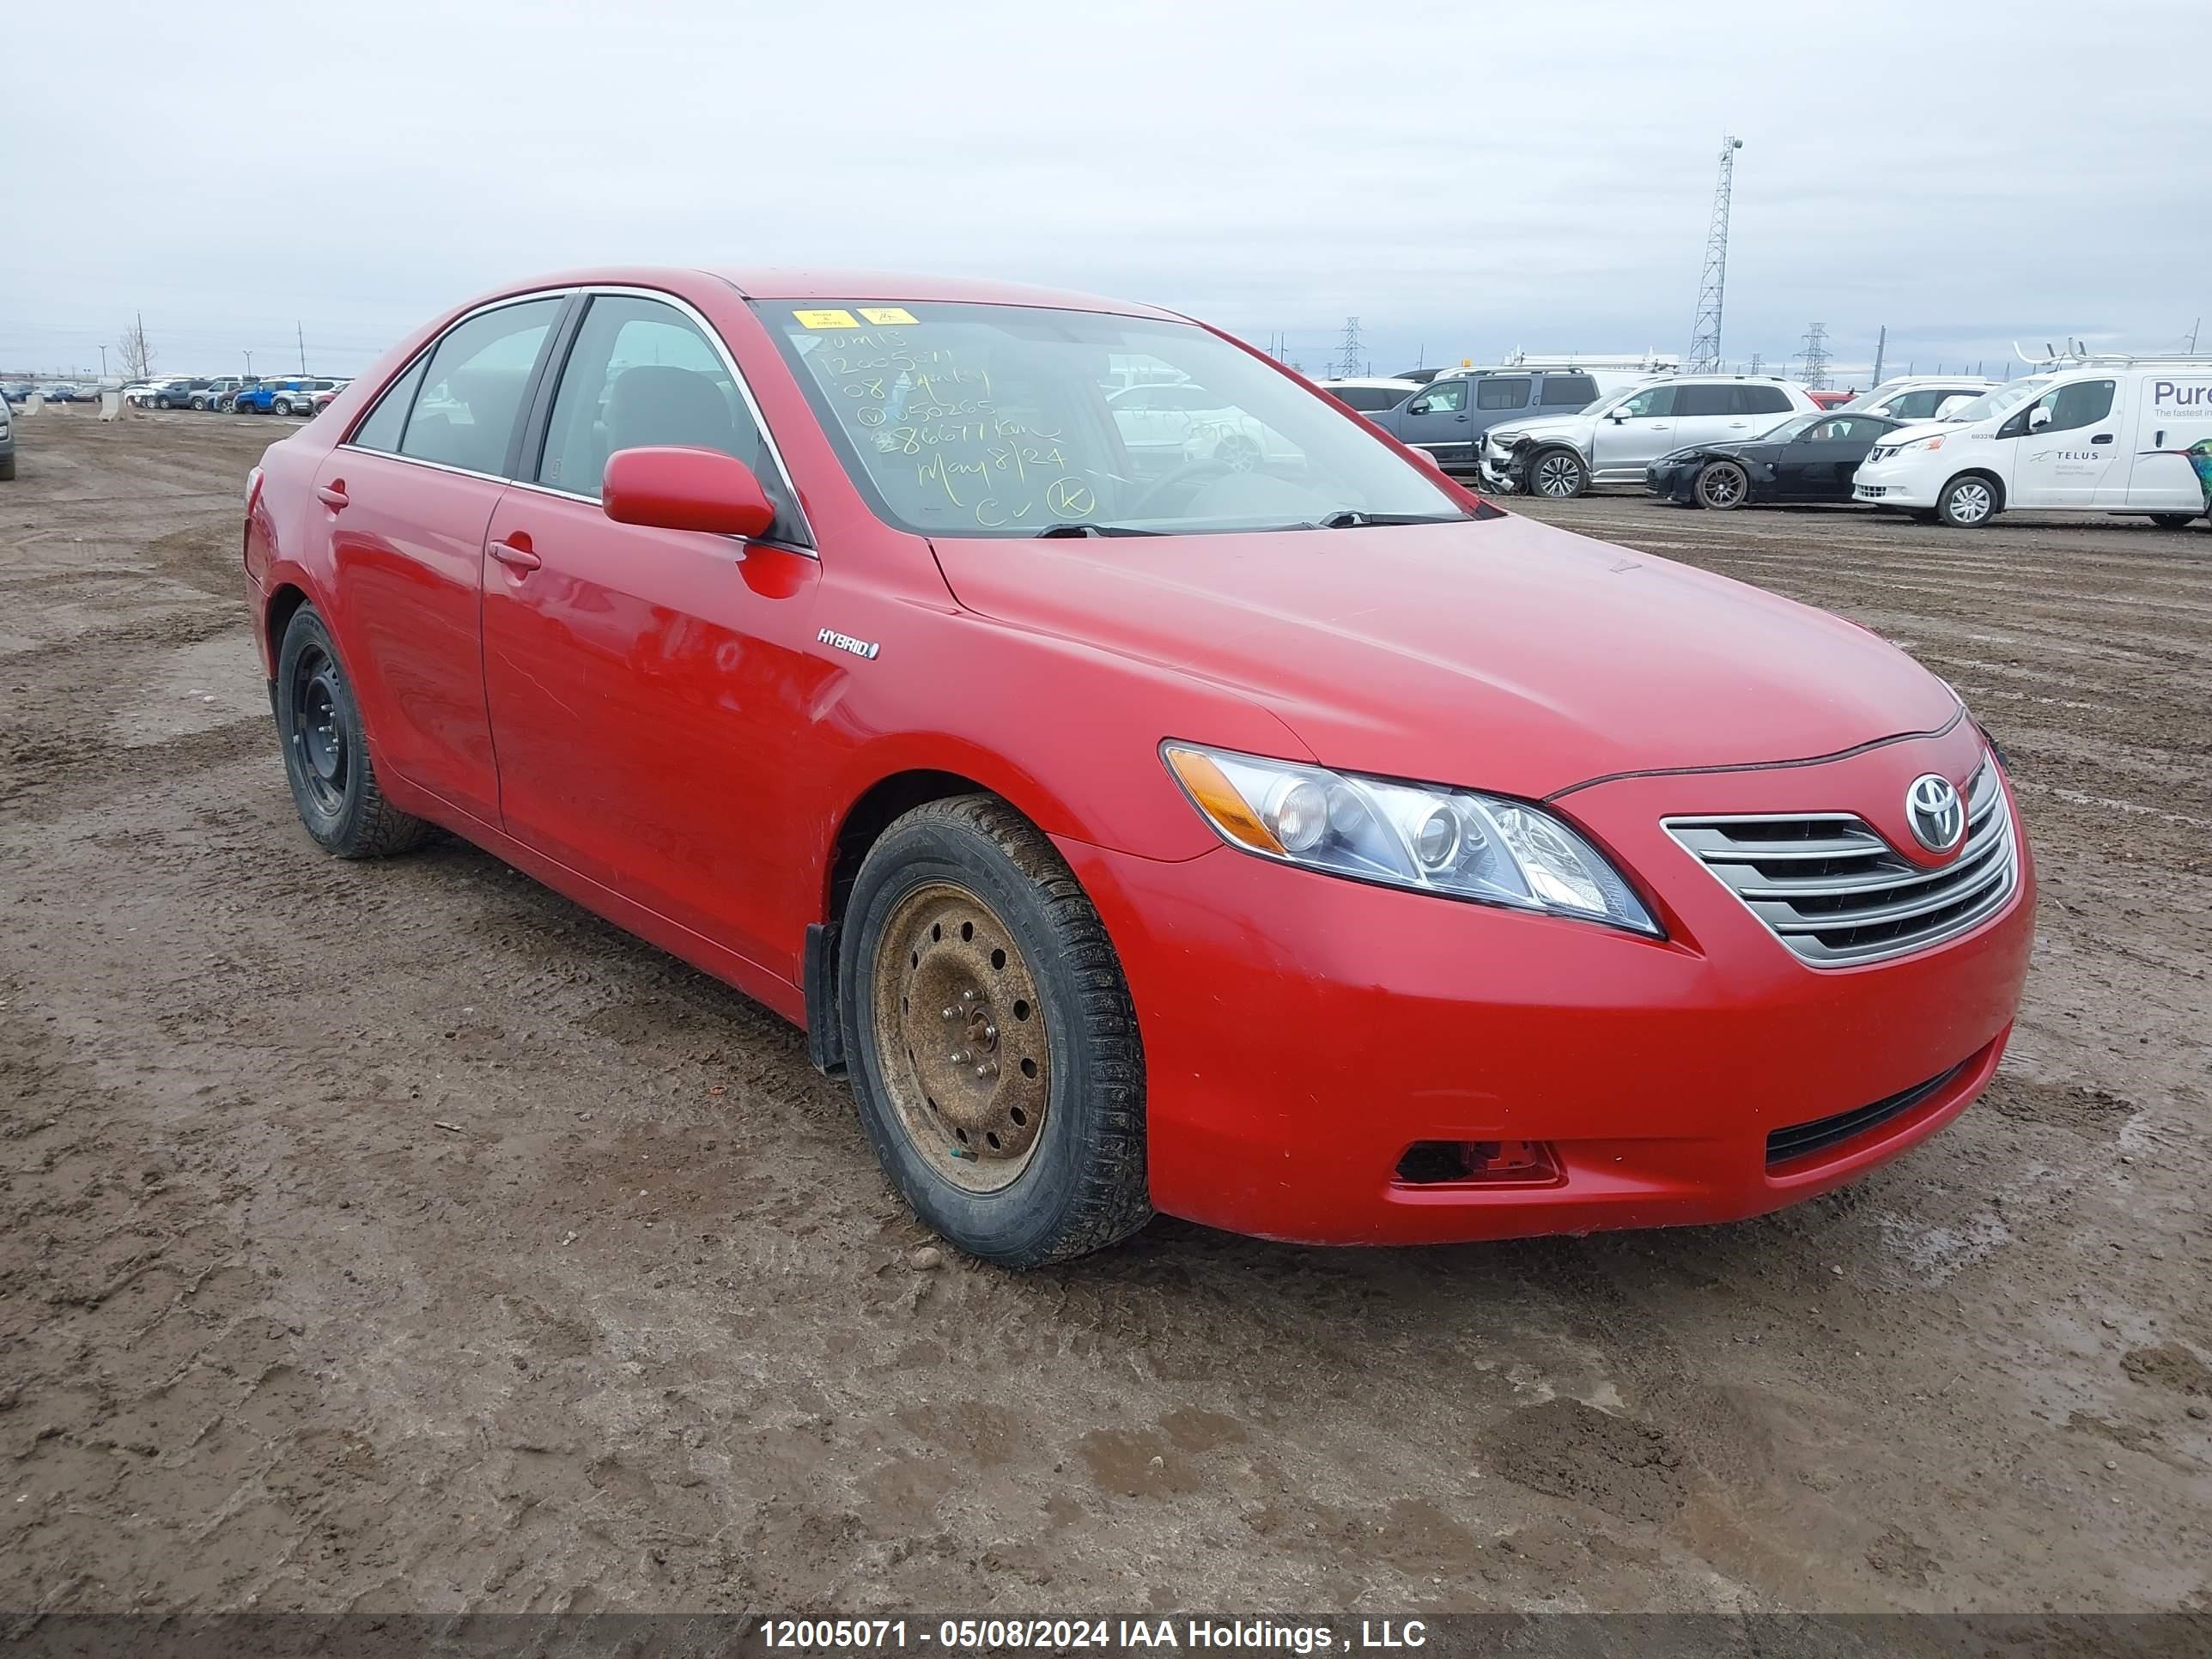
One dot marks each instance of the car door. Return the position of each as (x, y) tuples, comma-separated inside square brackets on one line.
[(2067, 446), (1817, 463), (406, 499), (1437, 420), (648, 688), (1633, 434), (2173, 438)]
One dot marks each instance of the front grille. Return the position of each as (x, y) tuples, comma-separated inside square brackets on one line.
[(1838, 895), (1802, 1139)]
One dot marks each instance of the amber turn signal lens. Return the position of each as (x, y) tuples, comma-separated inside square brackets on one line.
[(1218, 799)]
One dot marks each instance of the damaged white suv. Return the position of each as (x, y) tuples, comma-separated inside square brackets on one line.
[(1617, 437)]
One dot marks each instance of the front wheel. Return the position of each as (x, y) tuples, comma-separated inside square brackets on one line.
[(993, 1050), (2173, 520), (1558, 474), (1967, 503), (1723, 487), (327, 757)]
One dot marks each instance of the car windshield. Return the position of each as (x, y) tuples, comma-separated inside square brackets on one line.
[(1009, 420), (2009, 396)]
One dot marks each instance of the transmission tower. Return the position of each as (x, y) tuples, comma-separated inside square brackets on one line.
[(1347, 361), (1705, 337), (1815, 374)]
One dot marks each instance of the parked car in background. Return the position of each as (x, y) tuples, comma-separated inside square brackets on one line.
[(1171, 424), (292, 395), (211, 392), (17, 391), (1369, 395), (1615, 438), (1826, 399), (322, 399), (1449, 416), (1809, 458), (1921, 397), (1319, 853), (2097, 434), (1423, 376), (6, 443), (175, 392), (136, 392), (62, 391)]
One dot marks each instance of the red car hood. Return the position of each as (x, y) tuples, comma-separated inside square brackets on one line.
[(1502, 654)]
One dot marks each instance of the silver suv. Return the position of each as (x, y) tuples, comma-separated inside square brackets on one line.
[(1617, 437)]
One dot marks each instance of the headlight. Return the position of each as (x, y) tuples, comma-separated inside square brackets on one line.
[(1422, 836), (1927, 444)]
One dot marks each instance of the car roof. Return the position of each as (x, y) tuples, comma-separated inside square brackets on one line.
[(1386, 381), (829, 283)]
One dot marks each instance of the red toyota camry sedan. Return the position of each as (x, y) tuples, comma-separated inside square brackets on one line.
[(1154, 787)]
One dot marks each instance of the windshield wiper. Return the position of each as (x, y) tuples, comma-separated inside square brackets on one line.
[(1076, 527), (1352, 517)]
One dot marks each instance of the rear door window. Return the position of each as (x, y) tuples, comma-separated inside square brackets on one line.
[(1502, 392), (1691, 400), (472, 391), (388, 419), (1759, 400)]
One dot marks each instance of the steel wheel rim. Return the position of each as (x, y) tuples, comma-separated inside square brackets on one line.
[(1970, 503), (960, 1038), (319, 735), (1238, 453), (1721, 486)]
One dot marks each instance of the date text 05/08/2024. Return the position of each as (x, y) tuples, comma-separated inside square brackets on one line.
[(1094, 1635)]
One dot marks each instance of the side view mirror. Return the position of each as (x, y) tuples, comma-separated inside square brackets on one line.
[(1616, 417), (2039, 417), (673, 489)]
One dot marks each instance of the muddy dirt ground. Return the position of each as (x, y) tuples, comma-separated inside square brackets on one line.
[(398, 1235)]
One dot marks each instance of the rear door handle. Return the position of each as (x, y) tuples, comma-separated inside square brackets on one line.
[(332, 495), (515, 553)]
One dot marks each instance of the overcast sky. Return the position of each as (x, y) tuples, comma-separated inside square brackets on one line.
[(1466, 178)]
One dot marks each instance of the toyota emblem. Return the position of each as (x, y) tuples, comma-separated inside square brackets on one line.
[(1938, 817)]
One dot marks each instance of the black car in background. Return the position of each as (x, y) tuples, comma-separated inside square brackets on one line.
[(1809, 458)]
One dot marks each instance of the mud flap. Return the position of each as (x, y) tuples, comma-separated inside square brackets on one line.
[(818, 973)]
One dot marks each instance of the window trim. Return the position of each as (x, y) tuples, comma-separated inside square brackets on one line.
[(538, 402)]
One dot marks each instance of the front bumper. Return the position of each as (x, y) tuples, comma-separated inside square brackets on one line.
[(1887, 484), (1302, 1032), (1671, 481)]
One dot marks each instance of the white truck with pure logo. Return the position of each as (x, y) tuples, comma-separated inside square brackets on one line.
[(2096, 435)]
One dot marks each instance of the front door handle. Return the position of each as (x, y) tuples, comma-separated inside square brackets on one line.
[(2102, 438), (332, 495), (514, 553), (1460, 418)]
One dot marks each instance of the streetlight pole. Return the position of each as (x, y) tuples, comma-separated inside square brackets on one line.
[(103, 363)]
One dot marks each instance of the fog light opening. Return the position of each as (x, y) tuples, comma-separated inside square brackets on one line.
[(1447, 1162)]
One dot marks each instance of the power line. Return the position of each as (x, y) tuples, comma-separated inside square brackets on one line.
[(1706, 334)]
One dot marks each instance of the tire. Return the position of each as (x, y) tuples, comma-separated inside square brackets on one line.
[(280, 406), (966, 928), (2173, 520), (8, 470), (1722, 487), (326, 758), (1968, 501), (1557, 475)]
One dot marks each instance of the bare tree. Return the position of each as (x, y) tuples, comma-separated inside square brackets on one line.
[(138, 352)]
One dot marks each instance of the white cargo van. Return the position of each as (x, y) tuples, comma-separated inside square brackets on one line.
[(2096, 435)]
